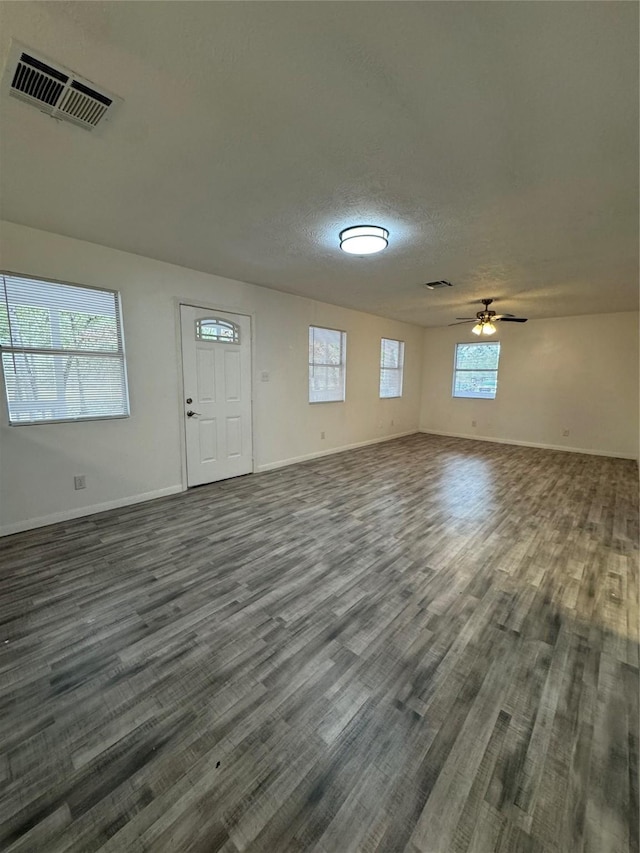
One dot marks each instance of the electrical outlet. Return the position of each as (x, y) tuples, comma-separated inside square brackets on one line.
[(565, 432), (80, 482), (473, 423), (264, 376), (322, 434)]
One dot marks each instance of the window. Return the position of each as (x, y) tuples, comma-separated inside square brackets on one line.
[(62, 351), (218, 331), (476, 370), (391, 364), (327, 359)]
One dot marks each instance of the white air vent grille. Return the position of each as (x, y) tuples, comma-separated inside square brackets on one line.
[(55, 90), (83, 104), (37, 80), (436, 285)]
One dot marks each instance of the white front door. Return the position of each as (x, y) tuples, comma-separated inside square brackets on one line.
[(216, 365)]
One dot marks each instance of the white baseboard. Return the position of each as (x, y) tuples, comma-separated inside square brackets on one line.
[(294, 460), (587, 450), (79, 512)]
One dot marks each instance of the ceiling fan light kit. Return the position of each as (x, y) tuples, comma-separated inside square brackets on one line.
[(484, 328), (364, 239), (485, 320)]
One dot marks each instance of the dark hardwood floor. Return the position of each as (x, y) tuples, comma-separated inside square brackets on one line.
[(424, 645)]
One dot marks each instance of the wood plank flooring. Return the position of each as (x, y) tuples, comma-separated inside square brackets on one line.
[(428, 645)]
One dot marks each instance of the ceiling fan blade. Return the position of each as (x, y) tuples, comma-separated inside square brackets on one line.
[(500, 316), (462, 322), (466, 318), (512, 319)]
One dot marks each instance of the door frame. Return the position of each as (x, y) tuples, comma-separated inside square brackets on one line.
[(208, 306)]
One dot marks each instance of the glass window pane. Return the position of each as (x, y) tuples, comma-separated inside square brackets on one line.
[(50, 315), (326, 364), (477, 356), (63, 355), (391, 367), (218, 331), (389, 353), (476, 370), (476, 383), (43, 386), (390, 382)]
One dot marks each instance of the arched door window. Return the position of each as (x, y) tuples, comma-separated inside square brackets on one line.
[(217, 331)]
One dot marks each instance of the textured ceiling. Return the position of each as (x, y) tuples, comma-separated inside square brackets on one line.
[(498, 143)]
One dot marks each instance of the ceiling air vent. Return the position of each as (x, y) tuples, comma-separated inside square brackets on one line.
[(85, 105), (56, 90), (436, 285), (36, 81)]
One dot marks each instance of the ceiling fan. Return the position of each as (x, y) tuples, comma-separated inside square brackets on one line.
[(484, 320)]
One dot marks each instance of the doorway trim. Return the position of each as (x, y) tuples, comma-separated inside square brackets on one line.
[(208, 306)]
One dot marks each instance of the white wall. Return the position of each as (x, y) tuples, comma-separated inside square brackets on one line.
[(575, 373), (126, 460)]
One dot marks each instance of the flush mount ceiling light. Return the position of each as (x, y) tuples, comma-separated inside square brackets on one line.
[(364, 239)]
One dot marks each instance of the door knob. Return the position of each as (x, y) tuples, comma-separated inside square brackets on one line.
[(190, 414)]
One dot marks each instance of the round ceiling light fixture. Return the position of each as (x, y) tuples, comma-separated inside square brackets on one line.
[(364, 239)]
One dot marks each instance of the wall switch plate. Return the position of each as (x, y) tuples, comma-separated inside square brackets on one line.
[(565, 432), (264, 376), (473, 423), (80, 482), (322, 434)]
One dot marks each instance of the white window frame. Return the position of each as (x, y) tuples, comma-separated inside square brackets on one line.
[(16, 349), (457, 370), (399, 370), (340, 393)]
